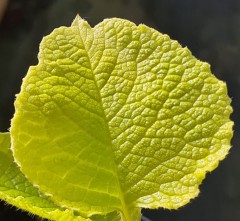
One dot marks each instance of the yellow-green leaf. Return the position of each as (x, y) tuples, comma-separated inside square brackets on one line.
[(119, 117)]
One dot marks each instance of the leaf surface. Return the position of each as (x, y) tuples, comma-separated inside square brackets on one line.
[(15, 189), (119, 117)]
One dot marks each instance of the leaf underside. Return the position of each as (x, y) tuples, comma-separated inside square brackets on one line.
[(117, 118)]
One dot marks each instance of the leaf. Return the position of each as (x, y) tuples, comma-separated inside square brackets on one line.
[(119, 117), (18, 191)]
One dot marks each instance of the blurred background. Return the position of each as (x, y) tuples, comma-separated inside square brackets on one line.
[(209, 28)]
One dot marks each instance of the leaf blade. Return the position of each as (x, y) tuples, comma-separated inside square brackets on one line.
[(152, 119)]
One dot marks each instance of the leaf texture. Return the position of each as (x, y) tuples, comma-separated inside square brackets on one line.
[(15, 189), (119, 117)]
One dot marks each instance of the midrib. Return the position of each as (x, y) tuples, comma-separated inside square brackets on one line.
[(125, 211)]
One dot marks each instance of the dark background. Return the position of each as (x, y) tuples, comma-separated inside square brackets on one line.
[(209, 28)]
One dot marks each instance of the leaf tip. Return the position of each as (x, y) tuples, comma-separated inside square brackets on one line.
[(77, 20)]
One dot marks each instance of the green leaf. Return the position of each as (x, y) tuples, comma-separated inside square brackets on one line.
[(119, 117), (15, 189)]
